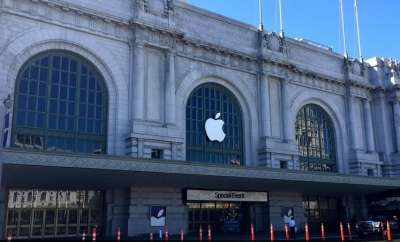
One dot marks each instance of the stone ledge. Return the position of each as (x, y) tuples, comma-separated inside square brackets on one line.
[(116, 164)]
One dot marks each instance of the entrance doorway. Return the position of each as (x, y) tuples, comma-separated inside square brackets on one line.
[(223, 217)]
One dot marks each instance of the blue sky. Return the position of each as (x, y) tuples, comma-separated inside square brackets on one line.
[(318, 20)]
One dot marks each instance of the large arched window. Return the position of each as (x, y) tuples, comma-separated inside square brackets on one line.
[(60, 105), (205, 102), (316, 139)]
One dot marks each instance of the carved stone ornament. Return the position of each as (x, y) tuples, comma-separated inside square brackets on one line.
[(356, 67), (273, 42), (7, 102), (157, 7)]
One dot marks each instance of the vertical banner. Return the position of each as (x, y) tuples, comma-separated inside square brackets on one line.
[(158, 216), (287, 213)]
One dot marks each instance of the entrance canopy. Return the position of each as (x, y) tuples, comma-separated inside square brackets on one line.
[(25, 169)]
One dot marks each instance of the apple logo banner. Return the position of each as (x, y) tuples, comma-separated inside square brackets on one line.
[(157, 216), (214, 129)]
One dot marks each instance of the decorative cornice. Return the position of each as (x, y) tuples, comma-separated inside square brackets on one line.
[(71, 16)]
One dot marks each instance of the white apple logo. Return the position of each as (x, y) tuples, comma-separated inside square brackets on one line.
[(214, 129)]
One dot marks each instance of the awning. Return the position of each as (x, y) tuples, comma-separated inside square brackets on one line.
[(25, 169)]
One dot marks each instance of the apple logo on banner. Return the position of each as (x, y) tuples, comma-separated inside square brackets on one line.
[(214, 129)]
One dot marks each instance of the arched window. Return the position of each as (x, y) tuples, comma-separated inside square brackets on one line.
[(315, 138), (205, 102), (60, 105)]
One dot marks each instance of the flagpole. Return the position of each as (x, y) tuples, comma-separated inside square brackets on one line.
[(343, 28), (280, 18), (358, 30), (260, 14)]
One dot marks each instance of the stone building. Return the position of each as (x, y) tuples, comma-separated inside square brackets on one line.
[(104, 105)]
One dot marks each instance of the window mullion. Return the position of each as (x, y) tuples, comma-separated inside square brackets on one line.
[(77, 103), (49, 81)]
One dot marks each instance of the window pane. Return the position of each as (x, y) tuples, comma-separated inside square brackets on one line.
[(31, 103), (71, 94), (44, 75), (22, 102), (71, 109), (31, 119), (42, 105), (71, 124), (61, 122), (41, 119), (64, 64), (23, 86), (56, 62), (54, 91), (52, 121), (55, 77), (63, 107), (34, 73), (42, 89), (33, 87), (21, 117), (63, 92), (53, 106)]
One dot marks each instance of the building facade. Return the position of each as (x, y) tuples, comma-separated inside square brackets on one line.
[(104, 111)]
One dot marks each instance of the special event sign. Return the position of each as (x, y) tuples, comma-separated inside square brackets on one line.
[(233, 196)]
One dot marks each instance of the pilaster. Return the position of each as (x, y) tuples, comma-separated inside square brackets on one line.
[(170, 90), (138, 82), (368, 126)]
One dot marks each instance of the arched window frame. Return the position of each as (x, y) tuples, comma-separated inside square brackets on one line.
[(198, 147), (84, 141), (317, 149)]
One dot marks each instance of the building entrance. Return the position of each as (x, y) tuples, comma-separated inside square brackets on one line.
[(223, 217), (226, 211)]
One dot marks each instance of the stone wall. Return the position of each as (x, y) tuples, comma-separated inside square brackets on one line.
[(141, 200), (280, 200)]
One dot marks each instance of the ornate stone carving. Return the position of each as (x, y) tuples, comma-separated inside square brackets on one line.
[(273, 42), (158, 7), (7, 102), (356, 68)]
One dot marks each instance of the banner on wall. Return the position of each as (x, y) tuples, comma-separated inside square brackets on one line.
[(158, 216), (287, 214)]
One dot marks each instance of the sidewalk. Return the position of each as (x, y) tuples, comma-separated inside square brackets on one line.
[(265, 237)]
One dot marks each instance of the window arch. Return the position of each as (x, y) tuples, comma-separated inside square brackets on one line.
[(205, 102), (315, 137), (60, 105)]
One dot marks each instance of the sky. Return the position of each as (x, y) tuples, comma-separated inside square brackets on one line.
[(318, 20)]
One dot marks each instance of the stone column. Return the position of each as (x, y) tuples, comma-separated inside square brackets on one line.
[(109, 213), (265, 106), (170, 90), (368, 126), (119, 211), (138, 82), (396, 114)]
